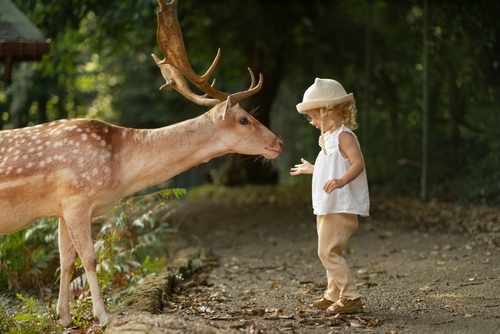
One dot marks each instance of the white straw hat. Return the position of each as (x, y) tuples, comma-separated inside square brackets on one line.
[(322, 93)]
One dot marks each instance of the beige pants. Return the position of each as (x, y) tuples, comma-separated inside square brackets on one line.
[(334, 230)]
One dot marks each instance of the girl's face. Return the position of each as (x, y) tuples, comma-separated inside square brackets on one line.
[(314, 117)]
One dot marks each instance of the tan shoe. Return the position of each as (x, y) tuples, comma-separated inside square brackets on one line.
[(344, 305), (322, 304)]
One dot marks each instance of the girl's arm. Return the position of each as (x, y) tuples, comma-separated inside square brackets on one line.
[(304, 168), (349, 149)]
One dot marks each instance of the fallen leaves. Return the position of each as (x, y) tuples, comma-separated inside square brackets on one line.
[(479, 220)]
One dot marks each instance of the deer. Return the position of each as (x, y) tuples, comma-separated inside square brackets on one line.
[(78, 169)]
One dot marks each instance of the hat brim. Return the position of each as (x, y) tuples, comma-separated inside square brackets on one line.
[(304, 107)]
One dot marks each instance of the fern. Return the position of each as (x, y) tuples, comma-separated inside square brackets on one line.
[(33, 319), (29, 256)]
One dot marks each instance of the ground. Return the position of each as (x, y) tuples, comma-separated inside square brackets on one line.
[(421, 268)]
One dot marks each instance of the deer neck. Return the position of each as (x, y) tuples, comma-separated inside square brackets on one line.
[(155, 156)]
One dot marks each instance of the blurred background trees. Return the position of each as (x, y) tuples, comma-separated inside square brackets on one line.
[(100, 67)]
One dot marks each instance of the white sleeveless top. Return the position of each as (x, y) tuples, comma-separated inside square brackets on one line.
[(353, 197)]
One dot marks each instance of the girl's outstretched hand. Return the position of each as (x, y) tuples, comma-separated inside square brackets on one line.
[(304, 168)]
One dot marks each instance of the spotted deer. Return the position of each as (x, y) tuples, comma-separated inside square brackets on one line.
[(77, 169)]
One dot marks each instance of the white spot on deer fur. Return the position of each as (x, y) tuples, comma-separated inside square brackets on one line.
[(84, 136), (42, 164), (29, 165), (79, 130), (19, 170), (103, 143)]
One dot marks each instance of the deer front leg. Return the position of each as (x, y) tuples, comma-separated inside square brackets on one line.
[(67, 254), (79, 229)]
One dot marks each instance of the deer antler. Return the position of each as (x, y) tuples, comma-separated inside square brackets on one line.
[(175, 65)]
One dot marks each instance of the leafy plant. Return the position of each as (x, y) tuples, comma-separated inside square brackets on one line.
[(135, 225), (33, 318), (29, 256)]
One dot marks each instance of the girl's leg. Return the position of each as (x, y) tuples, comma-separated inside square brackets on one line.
[(332, 291), (334, 230)]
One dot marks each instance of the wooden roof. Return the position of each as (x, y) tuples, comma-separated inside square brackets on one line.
[(20, 39)]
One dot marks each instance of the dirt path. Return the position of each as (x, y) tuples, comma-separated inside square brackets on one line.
[(268, 273)]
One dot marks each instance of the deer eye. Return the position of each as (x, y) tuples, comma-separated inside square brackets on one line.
[(244, 121)]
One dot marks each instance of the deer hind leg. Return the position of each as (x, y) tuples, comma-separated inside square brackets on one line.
[(67, 254), (79, 230)]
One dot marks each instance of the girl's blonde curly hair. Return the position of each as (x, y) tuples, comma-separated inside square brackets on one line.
[(342, 114)]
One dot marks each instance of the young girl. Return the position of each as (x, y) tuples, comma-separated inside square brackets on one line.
[(339, 187)]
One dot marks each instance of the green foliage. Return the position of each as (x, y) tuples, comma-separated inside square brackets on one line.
[(29, 256), (34, 318)]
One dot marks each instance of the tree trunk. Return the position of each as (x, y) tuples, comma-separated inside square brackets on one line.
[(425, 106), (368, 70)]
